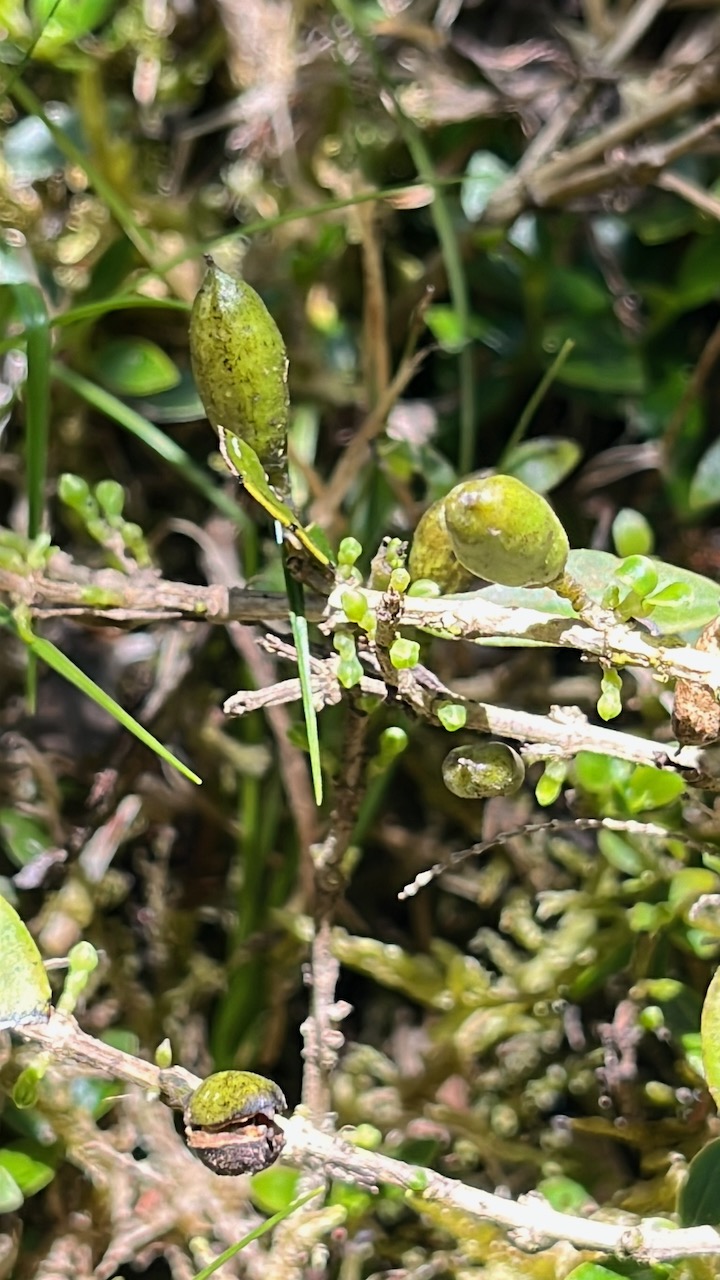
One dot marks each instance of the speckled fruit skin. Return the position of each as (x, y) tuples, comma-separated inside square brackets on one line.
[(230, 1122), (432, 555), (505, 532), (240, 367), (478, 771)]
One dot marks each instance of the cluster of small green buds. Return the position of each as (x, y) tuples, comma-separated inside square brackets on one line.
[(82, 961), (163, 1055), (349, 553), (452, 716), (392, 742), (25, 1089), (551, 782), (404, 654), (633, 592), (355, 608), (349, 671), (100, 512), (610, 701), (426, 588)]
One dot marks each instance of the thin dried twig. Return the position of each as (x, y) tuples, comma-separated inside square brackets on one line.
[(323, 1039), (627, 825), (531, 1221)]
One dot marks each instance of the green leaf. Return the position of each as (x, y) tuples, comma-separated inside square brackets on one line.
[(632, 533), (650, 788), (274, 1189), (31, 1166), (592, 1271), (242, 460), (24, 837), (565, 1194), (31, 151), (594, 569), (699, 1198), (66, 20), (11, 1197), (705, 484), (544, 462), (25, 990), (484, 174), (135, 367), (710, 1036)]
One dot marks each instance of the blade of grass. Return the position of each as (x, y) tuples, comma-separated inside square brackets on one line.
[(151, 436), (255, 1234), (33, 313), (121, 211), (301, 640), (49, 653), (535, 400), (117, 302)]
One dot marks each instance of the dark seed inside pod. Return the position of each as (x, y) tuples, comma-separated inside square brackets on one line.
[(230, 1122)]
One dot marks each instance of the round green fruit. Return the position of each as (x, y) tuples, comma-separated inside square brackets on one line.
[(432, 556), (481, 770), (505, 532), (230, 1122)]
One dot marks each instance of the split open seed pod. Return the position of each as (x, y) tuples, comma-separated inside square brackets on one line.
[(230, 1122)]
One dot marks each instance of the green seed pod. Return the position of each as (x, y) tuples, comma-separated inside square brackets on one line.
[(504, 532), (230, 1122), (240, 367), (480, 770), (432, 555)]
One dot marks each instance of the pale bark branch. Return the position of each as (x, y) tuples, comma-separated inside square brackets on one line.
[(531, 1221)]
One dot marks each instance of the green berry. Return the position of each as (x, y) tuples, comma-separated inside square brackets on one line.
[(404, 653), (481, 770), (505, 532), (432, 555)]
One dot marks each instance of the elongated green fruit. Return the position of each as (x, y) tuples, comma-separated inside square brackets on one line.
[(432, 555), (240, 366), (505, 532)]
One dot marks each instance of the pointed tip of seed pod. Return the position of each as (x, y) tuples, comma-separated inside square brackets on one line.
[(208, 260)]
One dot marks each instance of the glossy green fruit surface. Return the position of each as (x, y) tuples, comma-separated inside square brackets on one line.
[(505, 532), (480, 770), (240, 366)]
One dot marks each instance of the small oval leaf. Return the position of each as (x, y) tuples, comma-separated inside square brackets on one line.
[(543, 463), (699, 1198), (135, 367), (705, 484), (25, 991)]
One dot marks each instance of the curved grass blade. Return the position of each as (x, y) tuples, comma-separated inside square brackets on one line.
[(49, 653), (244, 463), (255, 1234)]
